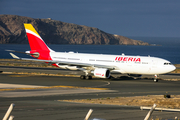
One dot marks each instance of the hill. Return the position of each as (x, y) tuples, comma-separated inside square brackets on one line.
[(57, 32)]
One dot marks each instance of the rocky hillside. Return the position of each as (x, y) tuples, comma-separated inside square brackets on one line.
[(57, 32)]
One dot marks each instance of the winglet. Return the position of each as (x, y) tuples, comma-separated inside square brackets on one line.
[(14, 56)]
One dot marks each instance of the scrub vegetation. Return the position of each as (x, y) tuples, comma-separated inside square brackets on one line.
[(149, 100)]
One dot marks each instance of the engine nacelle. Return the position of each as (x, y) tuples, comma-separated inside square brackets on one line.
[(102, 73)]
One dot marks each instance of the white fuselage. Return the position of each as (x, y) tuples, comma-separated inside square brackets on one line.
[(121, 63), (98, 65)]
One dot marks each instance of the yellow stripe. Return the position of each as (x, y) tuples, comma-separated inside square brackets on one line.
[(50, 87), (30, 27)]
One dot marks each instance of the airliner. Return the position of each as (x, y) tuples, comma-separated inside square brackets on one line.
[(98, 65)]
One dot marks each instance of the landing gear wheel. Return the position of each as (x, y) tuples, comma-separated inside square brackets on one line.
[(82, 77), (88, 77), (155, 80)]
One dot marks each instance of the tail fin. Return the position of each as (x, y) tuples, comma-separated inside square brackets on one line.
[(35, 41)]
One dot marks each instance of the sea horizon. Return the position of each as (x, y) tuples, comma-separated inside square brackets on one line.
[(168, 50)]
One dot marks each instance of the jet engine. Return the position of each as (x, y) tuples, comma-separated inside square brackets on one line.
[(102, 73)]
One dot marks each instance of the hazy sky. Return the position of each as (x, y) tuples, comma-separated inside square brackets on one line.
[(152, 18)]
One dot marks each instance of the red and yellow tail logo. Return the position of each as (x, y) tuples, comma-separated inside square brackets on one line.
[(36, 43)]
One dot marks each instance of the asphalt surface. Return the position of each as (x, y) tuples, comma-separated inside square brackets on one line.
[(45, 105), (69, 72)]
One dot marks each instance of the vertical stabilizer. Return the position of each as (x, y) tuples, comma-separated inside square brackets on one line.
[(39, 49), (35, 41)]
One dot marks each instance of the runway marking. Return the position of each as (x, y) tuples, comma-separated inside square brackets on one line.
[(20, 75), (28, 74), (11, 86), (107, 83), (50, 87)]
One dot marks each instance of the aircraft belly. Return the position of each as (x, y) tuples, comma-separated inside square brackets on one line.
[(138, 69)]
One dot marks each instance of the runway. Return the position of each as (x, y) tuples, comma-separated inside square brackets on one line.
[(42, 103)]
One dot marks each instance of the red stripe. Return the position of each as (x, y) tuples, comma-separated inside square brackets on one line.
[(54, 64), (36, 43)]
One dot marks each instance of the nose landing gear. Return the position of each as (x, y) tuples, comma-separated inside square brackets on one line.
[(155, 78)]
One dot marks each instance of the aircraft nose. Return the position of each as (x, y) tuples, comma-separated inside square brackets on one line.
[(169, 68), (173, 67)]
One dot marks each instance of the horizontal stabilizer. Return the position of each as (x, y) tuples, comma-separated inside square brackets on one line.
[(22, 52), (16, 51), (14, 56)]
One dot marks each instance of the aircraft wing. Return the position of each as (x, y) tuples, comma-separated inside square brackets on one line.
[(67, 62)]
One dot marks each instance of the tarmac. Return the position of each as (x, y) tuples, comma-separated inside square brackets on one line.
[(36, 97)]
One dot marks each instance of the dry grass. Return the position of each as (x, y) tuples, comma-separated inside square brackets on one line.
[(177, 65), (22, 74), (173, 102), (176, 71), (24, 63)]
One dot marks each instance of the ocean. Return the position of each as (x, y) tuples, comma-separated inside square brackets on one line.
[(169, 49)]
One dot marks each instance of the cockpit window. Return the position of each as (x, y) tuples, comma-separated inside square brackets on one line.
[(167, 64)]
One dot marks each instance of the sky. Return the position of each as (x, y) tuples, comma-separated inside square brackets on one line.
[(141, 18)]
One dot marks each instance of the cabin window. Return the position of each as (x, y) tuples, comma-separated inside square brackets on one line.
[(73, 59), (91, 59), (144, 62), (104, 60), (60, 58)]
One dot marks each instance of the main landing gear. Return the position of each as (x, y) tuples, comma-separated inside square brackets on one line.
[(87, 77)]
